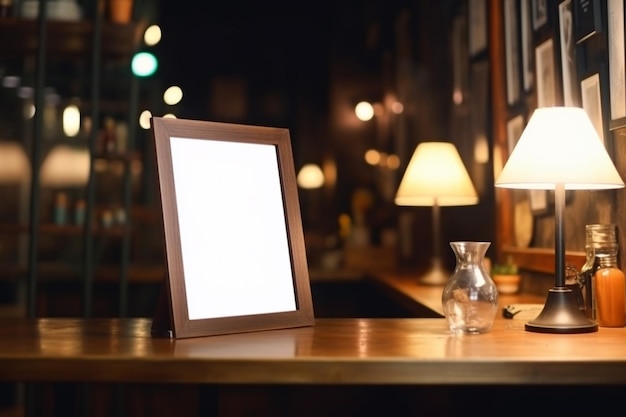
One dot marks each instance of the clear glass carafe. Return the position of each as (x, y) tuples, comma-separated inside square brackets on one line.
[(470, 298)]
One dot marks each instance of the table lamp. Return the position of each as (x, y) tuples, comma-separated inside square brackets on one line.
[(560, 150), (436, 177)]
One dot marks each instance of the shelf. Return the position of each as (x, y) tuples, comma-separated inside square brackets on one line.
[(128, 251), (19, 37), (541, 259), (55, 272), (64, 230), (118, 156)]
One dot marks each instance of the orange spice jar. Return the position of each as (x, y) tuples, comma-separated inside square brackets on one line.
[(610, 293)]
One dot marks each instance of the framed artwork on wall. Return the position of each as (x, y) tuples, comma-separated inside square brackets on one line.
[(617, 62), (539, 13), (546, 74), (479, 120), (512, 50), (477, 34), (536, 199), (460, 61), (592, 102), (587, 19), (571, 86), (527, 45), (514, 129)]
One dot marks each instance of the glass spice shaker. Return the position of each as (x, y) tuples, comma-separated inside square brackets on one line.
[(575, 282), (608, 281), (597, 237)]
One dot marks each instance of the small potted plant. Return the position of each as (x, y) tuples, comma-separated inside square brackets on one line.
[(506, 276)]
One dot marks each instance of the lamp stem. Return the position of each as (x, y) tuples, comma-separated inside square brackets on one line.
[(437, 274), (559, 242), (436, 231)]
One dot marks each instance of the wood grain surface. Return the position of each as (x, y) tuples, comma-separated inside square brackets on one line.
[(333, 351)]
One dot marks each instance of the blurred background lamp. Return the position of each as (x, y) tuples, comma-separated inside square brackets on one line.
[(364, 111), (310, 177), (436, 177)]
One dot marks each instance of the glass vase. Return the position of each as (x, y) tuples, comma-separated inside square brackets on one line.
[(470, 297)]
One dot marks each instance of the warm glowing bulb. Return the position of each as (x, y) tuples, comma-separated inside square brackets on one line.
[(144, 119), (71, 120), (457, 97), (397, 107), (481, 150), (173, 95), (310, 176), (372, 157), (393, 161), (28, 111), (364, 111), (152, 35)]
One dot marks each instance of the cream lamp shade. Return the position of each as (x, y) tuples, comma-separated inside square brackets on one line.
[(436, 175), (66, 166), (559, 146)]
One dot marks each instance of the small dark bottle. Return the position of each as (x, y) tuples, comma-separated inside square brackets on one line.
[(6, 8), (586, 275), (600, 241)]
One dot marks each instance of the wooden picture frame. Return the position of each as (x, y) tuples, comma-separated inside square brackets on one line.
[(592, 102), (514, 129), (617, 63), (477, 22), (512, 52), (539, 13), (538, 199), (571, 86), (588, 19), (527, 45), (234, 242), (479, 94), (546, 74), (460, 61)]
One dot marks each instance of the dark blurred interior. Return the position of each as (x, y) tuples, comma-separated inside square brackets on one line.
[(299, 67), (81, 226)]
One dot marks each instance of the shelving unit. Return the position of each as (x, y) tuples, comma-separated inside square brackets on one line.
[(69, 39), (87, 62)]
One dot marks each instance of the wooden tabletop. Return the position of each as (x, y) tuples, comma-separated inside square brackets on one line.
[(333, 351)]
